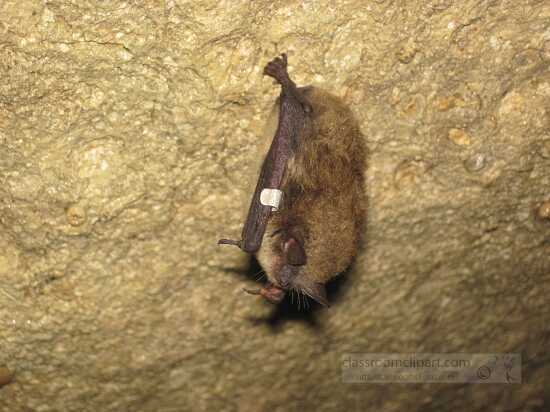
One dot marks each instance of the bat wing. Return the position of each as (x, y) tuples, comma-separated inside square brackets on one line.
[(258, 213), (293, 110)]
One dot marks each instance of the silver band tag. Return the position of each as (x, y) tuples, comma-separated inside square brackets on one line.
[(271, 197)]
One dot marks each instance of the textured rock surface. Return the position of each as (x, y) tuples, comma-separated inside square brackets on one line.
[(127, 136)]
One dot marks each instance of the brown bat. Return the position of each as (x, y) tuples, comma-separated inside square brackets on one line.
[(316, 165)]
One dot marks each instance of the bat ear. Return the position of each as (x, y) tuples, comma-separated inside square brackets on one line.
[(317, 292), (294, 253)]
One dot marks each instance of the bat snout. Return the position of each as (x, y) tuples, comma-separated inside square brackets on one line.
[(285, 276)]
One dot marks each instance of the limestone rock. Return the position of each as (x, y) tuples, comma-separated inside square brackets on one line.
[(128, 134)]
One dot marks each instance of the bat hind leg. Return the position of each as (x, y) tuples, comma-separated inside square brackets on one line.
[(277, 68)]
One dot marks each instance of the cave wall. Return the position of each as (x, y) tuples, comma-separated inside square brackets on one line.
[(129, 134)]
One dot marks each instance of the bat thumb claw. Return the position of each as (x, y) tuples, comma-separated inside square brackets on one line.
[(252, 291), (229, 242)]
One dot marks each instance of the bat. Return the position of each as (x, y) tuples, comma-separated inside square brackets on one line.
[(306, 215)]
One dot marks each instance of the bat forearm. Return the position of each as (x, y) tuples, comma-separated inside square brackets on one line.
[(292, 113)]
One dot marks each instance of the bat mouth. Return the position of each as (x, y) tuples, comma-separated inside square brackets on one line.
[(284, 277)]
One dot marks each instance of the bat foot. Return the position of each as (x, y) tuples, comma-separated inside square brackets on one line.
[(271, 293), (276, 68)]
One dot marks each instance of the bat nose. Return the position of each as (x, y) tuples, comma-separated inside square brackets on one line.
[(285, 276)]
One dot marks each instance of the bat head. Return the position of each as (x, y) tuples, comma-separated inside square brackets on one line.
[(284, 259)]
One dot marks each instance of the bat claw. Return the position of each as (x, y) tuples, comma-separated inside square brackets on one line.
[(271, 293), (229, 242), (276, 68)]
